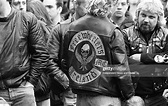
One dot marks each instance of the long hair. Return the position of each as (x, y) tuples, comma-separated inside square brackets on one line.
[(153, 7), (100, 7), (96, 8), (38, 9)]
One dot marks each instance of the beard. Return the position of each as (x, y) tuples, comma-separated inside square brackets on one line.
[(146, 28)]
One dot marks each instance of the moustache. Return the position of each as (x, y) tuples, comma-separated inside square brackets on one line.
[(145, 24)]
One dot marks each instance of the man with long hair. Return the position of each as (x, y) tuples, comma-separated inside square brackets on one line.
[(147, 44), (91, 46)]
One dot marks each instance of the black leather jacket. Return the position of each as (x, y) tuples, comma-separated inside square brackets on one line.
[(42, 89), (23, 54), (90, 44), (55, 44), (55, 82), (157, 45)]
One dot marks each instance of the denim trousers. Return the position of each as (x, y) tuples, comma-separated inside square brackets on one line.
[(101, 100), (44, 103), (21, 96), (69, 98)]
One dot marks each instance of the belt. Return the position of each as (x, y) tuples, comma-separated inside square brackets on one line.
[(5, 87)]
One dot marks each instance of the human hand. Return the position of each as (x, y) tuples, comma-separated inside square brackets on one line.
[(165, 93), (165, 58), (135, 101), (161, 59), (3, 102), (62, 79), (136, 57)]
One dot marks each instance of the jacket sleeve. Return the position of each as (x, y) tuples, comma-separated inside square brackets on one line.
[(149, 58), (120, 62), (128, 48), (54, 51), (146, 58), (38, 49)]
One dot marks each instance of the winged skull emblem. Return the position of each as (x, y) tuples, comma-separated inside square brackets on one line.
[(84, 59)]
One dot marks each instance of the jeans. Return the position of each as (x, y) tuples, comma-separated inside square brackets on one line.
[(21, 96), (44, 103), (101, 100), (69, 98)]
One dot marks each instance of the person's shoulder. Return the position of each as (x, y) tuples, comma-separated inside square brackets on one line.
[(127, 23), (164, 29), (23, 13), (23, 16), (129, 31), (65, 22), (26, 15), (129, 28)]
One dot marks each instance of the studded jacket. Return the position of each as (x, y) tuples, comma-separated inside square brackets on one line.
[(157, 45), (90, 44)]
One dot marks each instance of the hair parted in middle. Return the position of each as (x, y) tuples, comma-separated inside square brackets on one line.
[(153, 7)]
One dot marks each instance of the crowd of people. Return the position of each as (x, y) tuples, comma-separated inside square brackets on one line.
[(83, 52)]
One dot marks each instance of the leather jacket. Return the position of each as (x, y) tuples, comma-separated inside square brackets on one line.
[(56, 40), (42, 89), (157, 45), (24, 53), (55, 44), (57, 81), (90, 44)]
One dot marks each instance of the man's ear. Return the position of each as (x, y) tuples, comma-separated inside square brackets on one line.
[(60, 9)]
